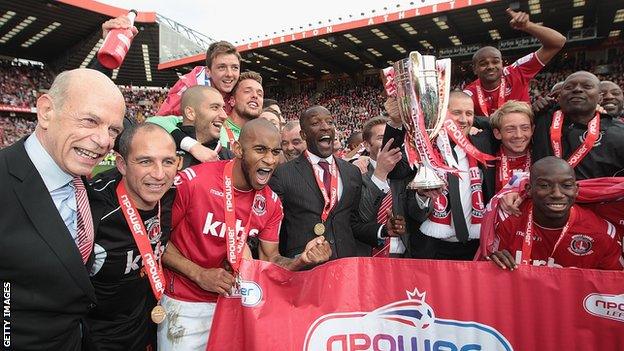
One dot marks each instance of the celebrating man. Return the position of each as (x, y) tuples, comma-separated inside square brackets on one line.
[(512, 124), (321, 195), (46, 231), (131, 235), (552, 230), (215, 202), (497, 84)]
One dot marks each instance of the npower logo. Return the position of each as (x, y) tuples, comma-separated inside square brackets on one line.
[(605, 306), (407, 325)]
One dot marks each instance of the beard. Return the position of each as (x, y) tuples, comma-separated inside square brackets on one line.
[(246, 113)]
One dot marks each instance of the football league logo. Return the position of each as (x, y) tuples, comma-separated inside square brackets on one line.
[(605, 306), (402, 325)]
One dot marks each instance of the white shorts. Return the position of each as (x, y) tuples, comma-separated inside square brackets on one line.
[(187, 325)]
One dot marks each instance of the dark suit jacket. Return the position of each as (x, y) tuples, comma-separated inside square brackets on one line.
[(303, 204), (50, 290), (372, 197)]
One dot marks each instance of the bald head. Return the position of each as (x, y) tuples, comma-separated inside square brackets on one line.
[(194, 96), (485, 51), (75, 82), (255, 127), (550, 165), (79, 119), (312, 111), (612, 98), (579, 96)]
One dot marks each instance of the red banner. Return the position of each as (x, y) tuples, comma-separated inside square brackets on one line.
[(425, 305)]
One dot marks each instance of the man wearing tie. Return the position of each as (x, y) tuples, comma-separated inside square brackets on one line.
[(321, 195), (46, 231)]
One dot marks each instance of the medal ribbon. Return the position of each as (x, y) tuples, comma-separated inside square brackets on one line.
[(332, 198), (460, 139), (234, 243), (481, 96), (593, 129), (153, 268), (527, 244), (503, 172)]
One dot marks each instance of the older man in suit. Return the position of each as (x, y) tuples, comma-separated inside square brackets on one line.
[(321, 195), (46, 230)]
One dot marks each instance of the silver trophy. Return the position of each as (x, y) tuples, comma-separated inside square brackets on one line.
[(422, 90)]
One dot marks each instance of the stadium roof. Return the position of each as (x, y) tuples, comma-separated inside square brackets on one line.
[(64, 35), (455, 30)]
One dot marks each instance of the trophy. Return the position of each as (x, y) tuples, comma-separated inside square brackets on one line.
[(422, 86)]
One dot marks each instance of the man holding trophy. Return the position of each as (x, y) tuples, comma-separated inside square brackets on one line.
[(454, 179)]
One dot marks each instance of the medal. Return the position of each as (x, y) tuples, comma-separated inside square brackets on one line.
[(319, 229), (158, 314)]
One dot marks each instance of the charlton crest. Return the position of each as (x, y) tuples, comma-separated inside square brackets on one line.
[(259, 205), (581, 245), (440, 206)]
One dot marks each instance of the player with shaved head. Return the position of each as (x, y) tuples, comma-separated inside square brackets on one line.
[(497, 84), (216, 202), (559, 232)]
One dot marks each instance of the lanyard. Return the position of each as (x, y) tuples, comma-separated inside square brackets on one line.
[(527, 244), (153, 267), (503, 173), (234, 243), (481, 96), (593, 129), (332, 198)]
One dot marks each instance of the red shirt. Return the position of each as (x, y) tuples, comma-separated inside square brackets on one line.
[(514, 165), (198, 229), (517, 77), (589, 243)]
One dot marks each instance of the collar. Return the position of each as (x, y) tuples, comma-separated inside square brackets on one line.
[(233, 126), (314, 159), (373, 163), (53, 176)]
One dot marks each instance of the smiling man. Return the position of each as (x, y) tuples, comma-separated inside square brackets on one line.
[(561, 233), (246, 102), (591, 142), (321, 194), (46, 231), (512, 124), (147, 163), (612, 99), (293, 144), (211, 199), (221, 71), (496, 84)]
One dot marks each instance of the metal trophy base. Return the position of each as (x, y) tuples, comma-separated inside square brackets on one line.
[(425, 179)]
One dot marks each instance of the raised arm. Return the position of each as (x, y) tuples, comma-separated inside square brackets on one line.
[(552, 41)]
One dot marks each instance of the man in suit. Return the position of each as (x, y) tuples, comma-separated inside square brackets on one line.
[(442, 235), (46, 231), (377, 191), (321, 195)]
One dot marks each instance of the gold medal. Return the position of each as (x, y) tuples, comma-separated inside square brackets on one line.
[(158, 314), (319, 229)]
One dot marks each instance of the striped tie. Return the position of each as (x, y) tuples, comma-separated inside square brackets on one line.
[(382, 218), (84, 227)]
